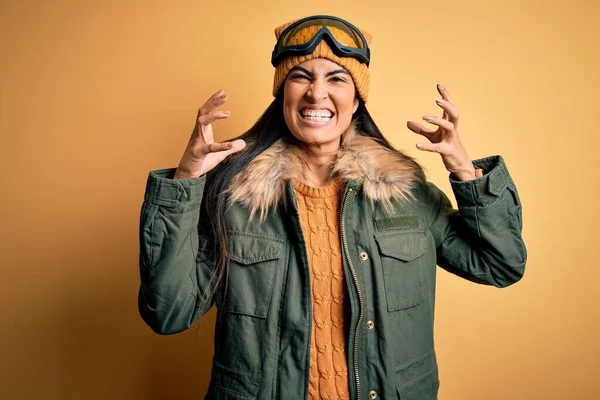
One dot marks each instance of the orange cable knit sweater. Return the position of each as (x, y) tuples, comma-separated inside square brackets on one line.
[(319, 210)]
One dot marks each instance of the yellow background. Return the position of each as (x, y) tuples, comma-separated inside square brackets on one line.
[(93, 95)]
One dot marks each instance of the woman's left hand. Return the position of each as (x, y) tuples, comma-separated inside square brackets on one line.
[(445, 140)]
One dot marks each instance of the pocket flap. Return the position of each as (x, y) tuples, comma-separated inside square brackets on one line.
[(405, 246), (250, 248)]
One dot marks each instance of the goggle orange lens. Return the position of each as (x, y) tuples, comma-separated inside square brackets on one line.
[(297, 35)]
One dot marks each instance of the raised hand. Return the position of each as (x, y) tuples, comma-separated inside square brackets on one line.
[(202, 153), (445, 139)]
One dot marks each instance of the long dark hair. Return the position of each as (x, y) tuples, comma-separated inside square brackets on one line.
[(267, 129)]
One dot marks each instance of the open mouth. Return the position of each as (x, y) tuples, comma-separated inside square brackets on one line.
[(318, 116)]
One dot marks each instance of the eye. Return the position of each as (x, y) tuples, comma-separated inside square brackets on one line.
[(338, 79), (300, 77)]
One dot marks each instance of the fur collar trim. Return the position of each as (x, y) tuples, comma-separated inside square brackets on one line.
[(384, 175)]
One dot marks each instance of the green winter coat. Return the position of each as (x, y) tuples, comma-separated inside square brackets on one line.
[(395, 228)]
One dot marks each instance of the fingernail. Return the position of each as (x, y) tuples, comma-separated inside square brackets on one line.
[(440, 86), (438, 100)]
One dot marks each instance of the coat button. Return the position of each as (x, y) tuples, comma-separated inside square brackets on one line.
[(370, 324), (364, 256), (372, 394)]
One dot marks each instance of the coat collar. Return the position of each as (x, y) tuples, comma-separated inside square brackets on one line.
[(384, 175)]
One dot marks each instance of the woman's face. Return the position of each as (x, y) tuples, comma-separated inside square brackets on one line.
[(319, 99)]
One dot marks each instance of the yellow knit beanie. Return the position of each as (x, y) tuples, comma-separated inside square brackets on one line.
[(359, 71)]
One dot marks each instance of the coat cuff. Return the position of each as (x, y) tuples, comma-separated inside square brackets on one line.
[(485, 190), (163, 190)]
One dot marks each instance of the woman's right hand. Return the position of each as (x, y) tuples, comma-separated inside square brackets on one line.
[(202, 153)]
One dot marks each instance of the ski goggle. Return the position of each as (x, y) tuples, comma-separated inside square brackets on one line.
[(294, 40)]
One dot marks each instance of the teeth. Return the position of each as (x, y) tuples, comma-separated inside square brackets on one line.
[(317, 119), (316, 114)]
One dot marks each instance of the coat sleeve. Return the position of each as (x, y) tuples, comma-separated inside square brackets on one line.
[(481, 241), (174, 273)]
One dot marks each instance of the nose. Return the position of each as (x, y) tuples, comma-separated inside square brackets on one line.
[(317, 91)]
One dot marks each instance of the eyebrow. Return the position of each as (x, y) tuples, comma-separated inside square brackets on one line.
[(307, 72)]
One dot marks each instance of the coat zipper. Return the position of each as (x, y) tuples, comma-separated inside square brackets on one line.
[(360, 298)]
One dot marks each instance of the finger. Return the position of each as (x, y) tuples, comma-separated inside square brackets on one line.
[(218, 147), (444, 92), (227, 147), (234, 147), (211, 117), (420, 129), (217, 99), (450, 111), (431, 147), (441, 122)]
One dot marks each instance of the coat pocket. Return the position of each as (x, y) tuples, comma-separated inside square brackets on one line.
[(425, 387), (402, 267), (219, 393), (253, 262)]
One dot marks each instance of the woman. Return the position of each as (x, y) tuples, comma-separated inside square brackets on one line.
[(316, 240)]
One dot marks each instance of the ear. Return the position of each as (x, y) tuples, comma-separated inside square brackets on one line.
[(355, 105)]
